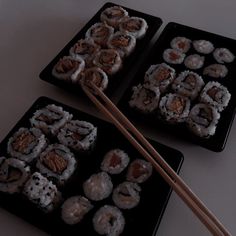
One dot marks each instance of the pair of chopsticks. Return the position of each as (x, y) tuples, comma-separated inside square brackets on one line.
[(105, 105)]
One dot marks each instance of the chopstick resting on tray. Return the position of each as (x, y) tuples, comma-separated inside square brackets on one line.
[(105, 105)]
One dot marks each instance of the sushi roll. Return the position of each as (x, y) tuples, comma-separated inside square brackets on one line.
[(109, 220), (13, 174), (50, 119), (115, 161), (123, 43), (113, 15), (126, 195), (181, 43), (108, 60), (42, 192), (194, 61), (223, 55), (203, 46), (174, 108), (78, 135), (160, 75), (216, 95), (216, 71), (135, 26), (96, 76), (98, 186), (26, 144), (68, 68), (145, 98), (85, 48), (173, 56), (74, 209), (57, 163), (139, 171), (100, 33), (202, 120), (188, 84)]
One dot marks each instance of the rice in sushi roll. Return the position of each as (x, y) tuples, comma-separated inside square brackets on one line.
[(135, 26), (98, 186), (113, 15), (216, 95), (203, 46), (126, 195), (139, 171), (202, 120), (26, 144), (145, 98), (79, 135), (85, 48), (223, 55), (57, 163), (181, 43), (160, 75), (174, 108), (42, 192), (100, 33), (109, 221), (194, 61), (68, 68), (173, 56), (74, 209), (123, 43), (115, 161), (94, 75), (50, 119), (13, 174), (188, 84), (216, 71), (108, 60)]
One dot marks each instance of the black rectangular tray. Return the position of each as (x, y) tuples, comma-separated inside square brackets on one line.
[(142, 220), (216, 142), (154, 24)]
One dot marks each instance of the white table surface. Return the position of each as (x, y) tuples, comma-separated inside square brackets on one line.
[(33, 32)]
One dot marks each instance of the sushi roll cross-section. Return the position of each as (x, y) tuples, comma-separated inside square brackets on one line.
[(78, 135), (98, 186), (115, 161), (139, 171), (69, 68), (50, 119), (57, 163), (13, 174), (126, 195), (160, 75), (113, 15), (109, 220), (42, 192), (26, 144), (74, 209), (145, 98), (135, 26)]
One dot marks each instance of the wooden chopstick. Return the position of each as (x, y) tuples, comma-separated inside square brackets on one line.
[(169, 175)]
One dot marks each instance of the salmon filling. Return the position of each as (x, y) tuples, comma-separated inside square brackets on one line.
[(177, 105), (121, 41), (66, 65), (23, 141), (132, 25), (55, 162)]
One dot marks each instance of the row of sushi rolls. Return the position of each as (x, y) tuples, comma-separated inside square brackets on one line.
[(100, 54), (40, 160), (195, 96)]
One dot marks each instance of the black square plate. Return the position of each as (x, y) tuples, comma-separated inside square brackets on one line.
[(142, 220), (218, 140), (154, 24)]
